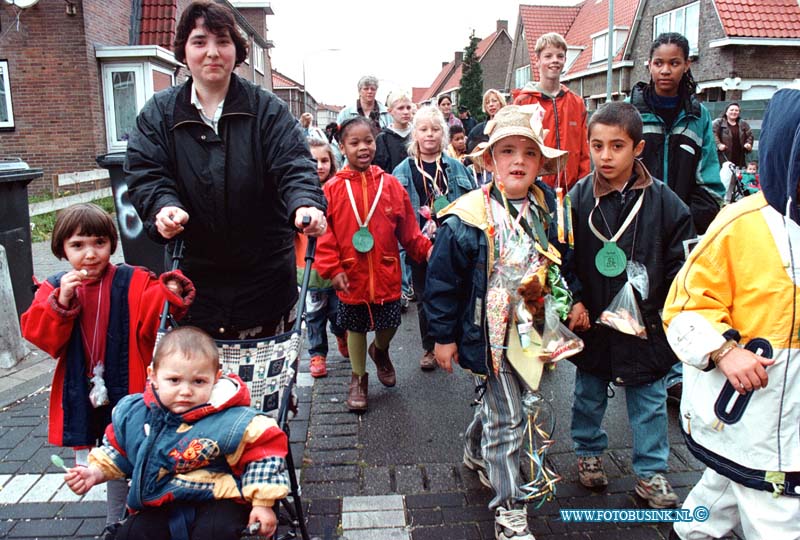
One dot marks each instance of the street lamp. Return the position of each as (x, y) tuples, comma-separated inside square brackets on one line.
[(305, 97)]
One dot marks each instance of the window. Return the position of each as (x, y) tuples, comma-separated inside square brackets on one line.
[(572, 55), (6, 110), (600, 44), (522, 76), (684, 20), (258, 57)]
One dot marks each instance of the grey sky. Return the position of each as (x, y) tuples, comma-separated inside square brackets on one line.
[(402, 43)]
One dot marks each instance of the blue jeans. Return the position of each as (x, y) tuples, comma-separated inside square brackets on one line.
[(325, 304), (675, 375), (405, 285), (647, 414)]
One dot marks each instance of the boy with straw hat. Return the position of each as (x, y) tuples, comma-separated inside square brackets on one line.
[(501, 226)]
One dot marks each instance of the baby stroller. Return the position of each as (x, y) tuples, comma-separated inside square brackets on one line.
[(269, 367)]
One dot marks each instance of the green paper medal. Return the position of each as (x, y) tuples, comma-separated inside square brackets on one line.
[(610, 260), (439, 203), (363, 241)]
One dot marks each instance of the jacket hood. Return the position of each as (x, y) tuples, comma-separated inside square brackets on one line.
[(229, 391), (642, 99), (779, 152)]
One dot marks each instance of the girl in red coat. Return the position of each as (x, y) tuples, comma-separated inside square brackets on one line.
[(368, 213), (99, 322)]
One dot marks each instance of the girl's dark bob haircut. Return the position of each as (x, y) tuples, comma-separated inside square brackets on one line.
[(87, 219)]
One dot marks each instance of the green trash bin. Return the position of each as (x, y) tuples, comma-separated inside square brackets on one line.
[(15, 227)]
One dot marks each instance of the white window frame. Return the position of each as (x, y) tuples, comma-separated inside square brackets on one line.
[(258, 57), (522, 76), (671, 26), (600, 51), (6, 80), (115, 145), (573, 53)]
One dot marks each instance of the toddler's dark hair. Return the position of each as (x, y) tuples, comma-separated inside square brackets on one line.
[(621, 114), (190, 342), (352, 122), (85, 218), (687, 86), (456, 129)]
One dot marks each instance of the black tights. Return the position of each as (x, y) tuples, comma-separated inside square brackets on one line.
[(214, 520)]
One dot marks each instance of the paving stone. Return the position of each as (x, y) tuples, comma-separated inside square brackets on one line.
[(330, 489), (92, 526), (684, 479), (65, 495), (322, 506), (332, 429), (441, 477), (44, 488), (455, 514), (12, 436), (447, 532), (323, 457), (322, 526), (60, 528), (377, 480), (30, 511), (347, 473), (424, 516), (479, 498), (434, 500), (329, 408), (16, 488), (378, 534), (638, 533), (84, 510), (348, 442), (373, 519), (381, 502), (408, 479), (686, 456)]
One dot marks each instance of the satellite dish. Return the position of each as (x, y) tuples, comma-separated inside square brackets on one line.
[(22, 3)]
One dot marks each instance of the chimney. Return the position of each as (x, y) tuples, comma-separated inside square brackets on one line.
[(444, 64), (502, 25), (459, 57)]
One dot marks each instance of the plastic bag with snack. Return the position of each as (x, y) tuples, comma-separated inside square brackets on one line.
[(558, 341), (623, 313)]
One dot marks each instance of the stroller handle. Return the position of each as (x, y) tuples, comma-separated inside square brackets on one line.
[(177, 255)]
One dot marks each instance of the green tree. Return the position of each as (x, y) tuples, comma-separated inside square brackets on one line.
[(470, 94)]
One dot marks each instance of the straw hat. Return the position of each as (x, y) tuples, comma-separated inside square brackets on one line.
[(523, 121)]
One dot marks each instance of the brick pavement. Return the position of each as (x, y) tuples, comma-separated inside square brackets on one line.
[(345, 495)]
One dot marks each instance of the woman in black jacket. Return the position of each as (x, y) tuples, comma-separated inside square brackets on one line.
[(222, 162), (733, 136)]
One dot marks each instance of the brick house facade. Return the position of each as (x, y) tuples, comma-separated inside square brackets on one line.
[(78, 78)]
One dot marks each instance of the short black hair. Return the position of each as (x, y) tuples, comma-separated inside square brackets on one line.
[(621, 114), (217, 18), (352, 122), (456, 129)]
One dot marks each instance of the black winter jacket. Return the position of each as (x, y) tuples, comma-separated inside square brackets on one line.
[(654, 239), (390, 149), (240, 188)]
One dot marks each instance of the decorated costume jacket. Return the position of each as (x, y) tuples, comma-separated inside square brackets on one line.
[(374, 277), (741, 282), (655, 240), (565, 118), (137, 298), (220, 450), (457, 278)]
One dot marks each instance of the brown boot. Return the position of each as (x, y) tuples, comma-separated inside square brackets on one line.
[(428, 361), (385, 368), (357, 396)]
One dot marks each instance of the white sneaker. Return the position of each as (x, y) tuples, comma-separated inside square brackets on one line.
[(478, 466), (511, 524)]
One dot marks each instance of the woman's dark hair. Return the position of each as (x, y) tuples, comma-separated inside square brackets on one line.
[(619, 114), (332, 131), (725, 111), (352, 122), (687, 86), (86, 219), (217, 18), (442, 98)]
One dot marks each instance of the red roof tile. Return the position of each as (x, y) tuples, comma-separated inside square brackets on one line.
[(593, 18), (417, 93), (158, 23), (440, 79), (280, 80), (760, 18), (538, 20)]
